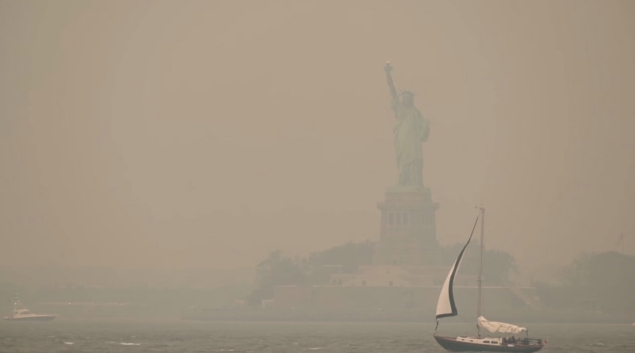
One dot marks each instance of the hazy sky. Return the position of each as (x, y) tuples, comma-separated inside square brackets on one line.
[(204, 134)]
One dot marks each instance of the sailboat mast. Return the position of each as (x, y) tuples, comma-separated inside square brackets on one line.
[(480, 270)]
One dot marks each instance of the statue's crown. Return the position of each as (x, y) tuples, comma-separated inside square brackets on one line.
[(407, 92)]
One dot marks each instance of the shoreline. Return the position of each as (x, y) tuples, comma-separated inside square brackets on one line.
[(520, 318)]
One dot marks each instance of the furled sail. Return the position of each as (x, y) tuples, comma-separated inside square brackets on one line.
[(446, 306), (500, 327)]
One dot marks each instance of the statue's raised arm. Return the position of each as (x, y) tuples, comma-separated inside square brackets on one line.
[(391, 85)]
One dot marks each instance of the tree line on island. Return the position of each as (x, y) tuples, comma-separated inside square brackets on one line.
[(601, 282), (278, 269)]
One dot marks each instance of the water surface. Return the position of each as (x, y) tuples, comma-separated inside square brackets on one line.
[(133, 336)]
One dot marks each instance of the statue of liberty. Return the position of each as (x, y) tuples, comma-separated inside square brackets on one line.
[(411, 129)]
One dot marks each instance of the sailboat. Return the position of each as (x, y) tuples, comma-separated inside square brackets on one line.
[(446, 307)]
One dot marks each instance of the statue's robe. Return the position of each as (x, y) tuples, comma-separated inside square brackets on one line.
[(411, 129)]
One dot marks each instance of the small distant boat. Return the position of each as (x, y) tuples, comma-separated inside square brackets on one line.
[(446, 307), (21, 313)]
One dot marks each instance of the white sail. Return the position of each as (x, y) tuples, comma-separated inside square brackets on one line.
[(500, 327), (445, 305)]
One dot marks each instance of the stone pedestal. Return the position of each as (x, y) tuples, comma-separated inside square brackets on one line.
[(408, 229)]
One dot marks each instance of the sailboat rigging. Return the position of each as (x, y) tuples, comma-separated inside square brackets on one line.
[(446, 307)]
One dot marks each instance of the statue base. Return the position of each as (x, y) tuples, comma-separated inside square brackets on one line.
[(408, 227), (408, 189)]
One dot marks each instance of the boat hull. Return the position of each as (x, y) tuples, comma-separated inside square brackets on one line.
[(32, 318), (453, 345)]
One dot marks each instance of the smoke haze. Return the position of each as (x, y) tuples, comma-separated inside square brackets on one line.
[(205, 134)]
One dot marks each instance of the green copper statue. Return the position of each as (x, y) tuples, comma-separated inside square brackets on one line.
[(411, 129)]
